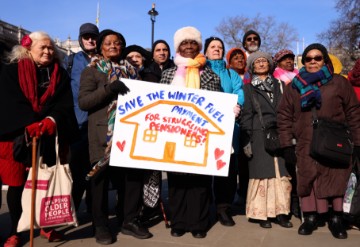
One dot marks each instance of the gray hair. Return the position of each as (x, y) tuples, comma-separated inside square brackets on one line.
[(20, 52)]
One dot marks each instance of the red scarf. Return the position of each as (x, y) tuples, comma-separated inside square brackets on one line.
[(29, 84)]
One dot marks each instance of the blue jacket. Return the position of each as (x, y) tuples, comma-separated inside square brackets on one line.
[(80, 61), (231, 82)]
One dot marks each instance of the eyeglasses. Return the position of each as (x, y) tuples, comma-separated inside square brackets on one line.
[(261, 61), (316, 58), (252, 39)]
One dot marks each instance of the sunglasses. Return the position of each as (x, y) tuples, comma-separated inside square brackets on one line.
[(316, 58), (89, 36), (252, 39)]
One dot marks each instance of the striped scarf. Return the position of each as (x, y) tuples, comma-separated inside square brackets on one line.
[(114, 71), (308, 85)]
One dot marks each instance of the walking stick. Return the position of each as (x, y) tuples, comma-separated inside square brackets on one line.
[(33, 190), (164, 213)]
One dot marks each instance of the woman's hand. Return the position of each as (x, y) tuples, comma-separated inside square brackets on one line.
[(237, 110)]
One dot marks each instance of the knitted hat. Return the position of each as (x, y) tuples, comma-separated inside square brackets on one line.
[(208, 41), (319, 47), (87, 28), (247, 34), (158, 42), (281, 54), (187, 33), (105, 33), (232, 52), (144, 53), (258, 54)]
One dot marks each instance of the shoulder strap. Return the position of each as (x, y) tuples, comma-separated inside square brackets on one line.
[(70, 63), (281, 86), (257, 106), (229, 73), (314, 115)]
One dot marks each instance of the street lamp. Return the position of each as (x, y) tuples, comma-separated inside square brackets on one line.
[(153, 13)]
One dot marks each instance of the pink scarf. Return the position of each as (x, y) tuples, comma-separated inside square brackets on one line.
[(188, 71), (285, 75)]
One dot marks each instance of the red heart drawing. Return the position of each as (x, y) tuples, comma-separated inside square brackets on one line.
[(218, 153), (220, 164), (121, 145)]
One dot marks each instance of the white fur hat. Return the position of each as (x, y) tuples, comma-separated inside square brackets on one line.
[(185, 33)]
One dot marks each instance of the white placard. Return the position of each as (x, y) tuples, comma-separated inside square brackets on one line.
[(168, 128)]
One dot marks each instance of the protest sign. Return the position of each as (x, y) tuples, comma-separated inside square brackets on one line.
[(168, 128)]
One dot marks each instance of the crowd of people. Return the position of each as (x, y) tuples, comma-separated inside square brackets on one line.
[(76, 99)]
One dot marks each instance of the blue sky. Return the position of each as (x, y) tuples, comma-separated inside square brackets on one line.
[(63, 18)]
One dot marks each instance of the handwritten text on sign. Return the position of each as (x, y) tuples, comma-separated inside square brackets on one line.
[(169, 128)]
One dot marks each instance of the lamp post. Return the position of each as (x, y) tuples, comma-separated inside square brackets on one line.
[(153, 13)]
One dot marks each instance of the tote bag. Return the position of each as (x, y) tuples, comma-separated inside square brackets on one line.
[(351, 202), (53, 202)]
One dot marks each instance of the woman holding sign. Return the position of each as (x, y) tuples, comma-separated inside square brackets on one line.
[(189, 195), (225, 187), (100, 86)]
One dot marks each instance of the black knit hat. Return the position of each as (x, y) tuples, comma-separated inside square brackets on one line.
[(105, 33), (208, 41), (319, 47), (87, 28), (158, 42), (247, 34), (146, 54)]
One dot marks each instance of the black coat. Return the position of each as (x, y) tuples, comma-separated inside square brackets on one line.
[(261, 164), (17, 111)]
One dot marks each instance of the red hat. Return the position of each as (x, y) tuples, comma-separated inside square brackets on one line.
[(281, 54), (231, 53)]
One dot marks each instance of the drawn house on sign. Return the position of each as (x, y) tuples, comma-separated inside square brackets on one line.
[(167, 146)]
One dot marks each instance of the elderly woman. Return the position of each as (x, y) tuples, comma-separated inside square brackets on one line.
[(35, 97), (269, 186), (332, 97), (189, 195), (100, 85), (225, 187), (285, 70), (236, 60)]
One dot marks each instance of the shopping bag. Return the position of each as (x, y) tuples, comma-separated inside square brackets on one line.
[(53, 202), (351, 202)]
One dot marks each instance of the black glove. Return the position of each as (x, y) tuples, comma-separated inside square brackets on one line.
[(119, 87), (289, 156)]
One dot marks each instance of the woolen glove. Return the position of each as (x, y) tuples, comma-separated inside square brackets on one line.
[(47, 127), (33, 130), (119, 87), (289, 156), (248, 150)]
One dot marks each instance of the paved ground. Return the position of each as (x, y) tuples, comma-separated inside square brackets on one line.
[(243, 234)]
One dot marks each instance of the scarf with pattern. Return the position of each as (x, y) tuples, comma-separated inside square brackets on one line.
[(188, 71), (29, 83), (114, 72), (308, 85), (264, 85)]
